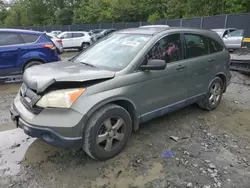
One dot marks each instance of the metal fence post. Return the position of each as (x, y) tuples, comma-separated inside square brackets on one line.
[(126, 25), (166, 22), (225, 24), (201, 24), (181, 22)]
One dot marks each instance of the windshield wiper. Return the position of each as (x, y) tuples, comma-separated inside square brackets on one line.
[(88, 64)]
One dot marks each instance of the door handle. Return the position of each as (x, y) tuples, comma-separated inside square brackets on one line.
[(210, 60), (180, 67)]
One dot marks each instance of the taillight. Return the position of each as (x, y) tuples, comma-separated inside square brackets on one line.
[(59, 41), (51, 46)]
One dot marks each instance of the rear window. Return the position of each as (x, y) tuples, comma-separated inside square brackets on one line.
[(29, 38), (9, 39)]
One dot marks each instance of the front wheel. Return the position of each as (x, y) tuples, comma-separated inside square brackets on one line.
[(213, 96), (107, 132)]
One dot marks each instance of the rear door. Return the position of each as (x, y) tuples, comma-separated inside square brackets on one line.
[(30, 41), (11, 49), (199, 62), (77, 39)]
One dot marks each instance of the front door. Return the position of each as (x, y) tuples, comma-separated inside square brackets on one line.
[(163, 89), (10, 51), (233, 39)]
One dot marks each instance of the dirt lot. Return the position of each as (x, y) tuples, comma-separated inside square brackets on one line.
[(212, 150)]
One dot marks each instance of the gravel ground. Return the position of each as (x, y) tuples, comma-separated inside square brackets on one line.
[(187, 148)]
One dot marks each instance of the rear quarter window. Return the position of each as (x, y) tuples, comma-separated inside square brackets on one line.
[(76, 35), (29, 38)]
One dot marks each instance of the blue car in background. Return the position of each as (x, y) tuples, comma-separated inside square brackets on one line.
[(21, 49)]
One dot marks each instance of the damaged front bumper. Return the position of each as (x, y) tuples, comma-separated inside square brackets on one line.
[(57, 127), (46, 134)]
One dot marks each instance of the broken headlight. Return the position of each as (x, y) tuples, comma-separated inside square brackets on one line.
[(60, 98)]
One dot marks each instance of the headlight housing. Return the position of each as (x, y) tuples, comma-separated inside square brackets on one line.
[(60, 98)]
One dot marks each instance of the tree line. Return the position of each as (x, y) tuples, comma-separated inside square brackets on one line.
[(66, 12)]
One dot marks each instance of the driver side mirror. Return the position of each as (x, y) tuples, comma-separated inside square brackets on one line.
[(226, 36), (154, 64)]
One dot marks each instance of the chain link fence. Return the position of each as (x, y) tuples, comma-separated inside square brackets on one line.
[(239, 21)]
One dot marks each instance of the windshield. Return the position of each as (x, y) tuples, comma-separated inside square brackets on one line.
[(114, 52)]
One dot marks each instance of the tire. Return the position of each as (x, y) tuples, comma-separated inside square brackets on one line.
[(213, 96), (31, 64), (97, 134), (84, 46)]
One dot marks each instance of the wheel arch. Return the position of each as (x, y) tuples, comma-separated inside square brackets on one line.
[(223, 77), (30, 60), (127, 104)]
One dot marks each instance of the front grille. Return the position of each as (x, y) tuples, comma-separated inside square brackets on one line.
[(29, 98)]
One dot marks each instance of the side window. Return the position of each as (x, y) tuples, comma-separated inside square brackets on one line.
[(29, 38), (214, 46), (168, 48), (76, 35), (236, 34), (196, 45), (9, 39), (67, 35), (231, 30)]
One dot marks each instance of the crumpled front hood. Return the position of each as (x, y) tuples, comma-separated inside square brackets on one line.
[(241, 54), (40, 77)]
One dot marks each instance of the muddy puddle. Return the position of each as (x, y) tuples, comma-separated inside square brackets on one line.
[(7, 94), (13, 146)]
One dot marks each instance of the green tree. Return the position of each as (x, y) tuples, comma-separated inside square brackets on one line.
[(64, 12)]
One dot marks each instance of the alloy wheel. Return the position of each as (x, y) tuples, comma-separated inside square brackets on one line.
[(111, 133), (215, 94)]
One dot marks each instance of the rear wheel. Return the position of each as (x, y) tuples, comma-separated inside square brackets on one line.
[(107, 132), (31, 64), (213, 96), (84, 46)]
